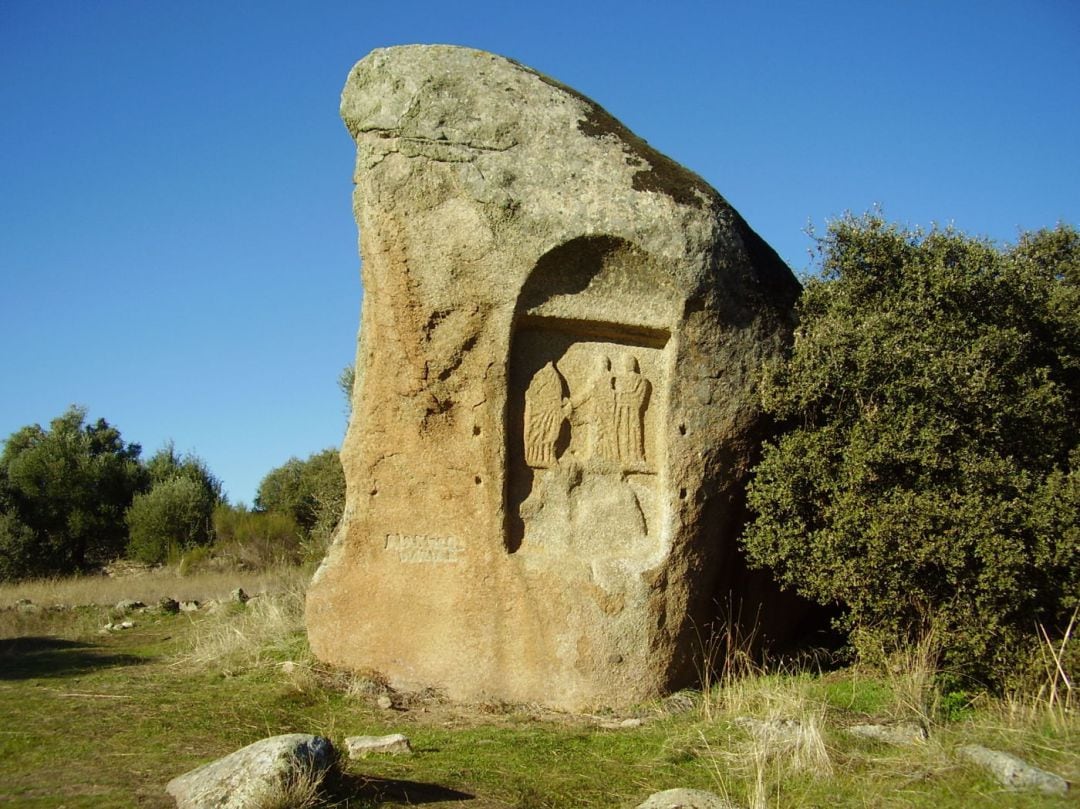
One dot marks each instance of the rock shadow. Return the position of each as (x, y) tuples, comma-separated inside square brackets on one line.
[(392, 790), (35, 657)]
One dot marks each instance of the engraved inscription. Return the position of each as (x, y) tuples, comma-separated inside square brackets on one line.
[(420, 548)]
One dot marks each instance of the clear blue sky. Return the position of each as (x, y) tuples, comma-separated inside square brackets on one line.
[(177, 250)]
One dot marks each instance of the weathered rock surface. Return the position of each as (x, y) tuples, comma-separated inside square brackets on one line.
[(685, 799), (364, 746), (553, 414), (242, 779), (1014, 772)]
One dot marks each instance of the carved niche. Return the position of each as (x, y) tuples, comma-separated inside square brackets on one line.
[(585, 439)]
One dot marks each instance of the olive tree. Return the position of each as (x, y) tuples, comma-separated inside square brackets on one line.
[(176, 513), (63, 493)]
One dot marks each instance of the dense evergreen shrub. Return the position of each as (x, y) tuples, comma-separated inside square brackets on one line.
[(174, 516), (257, 539), (929, 472), (63, 494), (311, 492)]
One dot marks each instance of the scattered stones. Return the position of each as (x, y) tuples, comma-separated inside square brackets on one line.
[(1014, 772), (189, 606), (117, 626), (904, 734), (363, 746), (239, 596), (384, 702), (24, 606), (685, 799), (129, 605), (557, 407), (241, 780), (169, 606)]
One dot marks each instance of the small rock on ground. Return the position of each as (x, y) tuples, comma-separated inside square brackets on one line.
[(170, 606), (685, 799), (239, 596), (385, 702), (363, 746), (904, 734), (622, 724), (189, 606), (1014, 772), (241, 780), (129, 604)]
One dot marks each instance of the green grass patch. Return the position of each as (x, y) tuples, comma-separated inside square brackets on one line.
[(93, 719)]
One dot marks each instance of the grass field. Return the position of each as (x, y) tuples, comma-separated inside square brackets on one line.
[(92, 719)]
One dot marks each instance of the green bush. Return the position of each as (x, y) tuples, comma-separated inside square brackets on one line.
[(928, 474), (175, 515), (312, 492), (257, 539)]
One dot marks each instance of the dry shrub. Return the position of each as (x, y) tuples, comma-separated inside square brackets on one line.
[(726, 656), (302, 789)]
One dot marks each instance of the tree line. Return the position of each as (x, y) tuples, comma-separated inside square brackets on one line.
[(75, 496)]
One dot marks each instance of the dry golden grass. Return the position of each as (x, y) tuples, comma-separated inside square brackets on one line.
[(269, 629), (149, 587)]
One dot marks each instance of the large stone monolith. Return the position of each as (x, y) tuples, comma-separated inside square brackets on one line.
[(554, 412)]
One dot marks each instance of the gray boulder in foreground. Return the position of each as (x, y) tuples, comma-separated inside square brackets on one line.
[(685, 799), (1014, 772), (241, 780)]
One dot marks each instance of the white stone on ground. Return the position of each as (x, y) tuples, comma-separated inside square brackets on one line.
[(363, 746), (685, 799), (1014, 772)]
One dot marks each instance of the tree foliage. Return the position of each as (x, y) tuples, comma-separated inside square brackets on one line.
[(176, 514), (930, 467), (311, 492), (63, 493)]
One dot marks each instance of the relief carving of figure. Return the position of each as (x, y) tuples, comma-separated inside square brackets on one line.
[(545, 411), (600, 399), (631, 390)]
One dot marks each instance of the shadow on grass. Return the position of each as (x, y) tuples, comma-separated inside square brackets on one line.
[(24, 658), (376, 791)]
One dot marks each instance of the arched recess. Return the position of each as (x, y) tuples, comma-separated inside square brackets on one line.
[(588, 380)]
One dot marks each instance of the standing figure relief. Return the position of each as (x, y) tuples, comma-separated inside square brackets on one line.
[(612, 407), (631, 392), (545, 411), (597, 402)]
